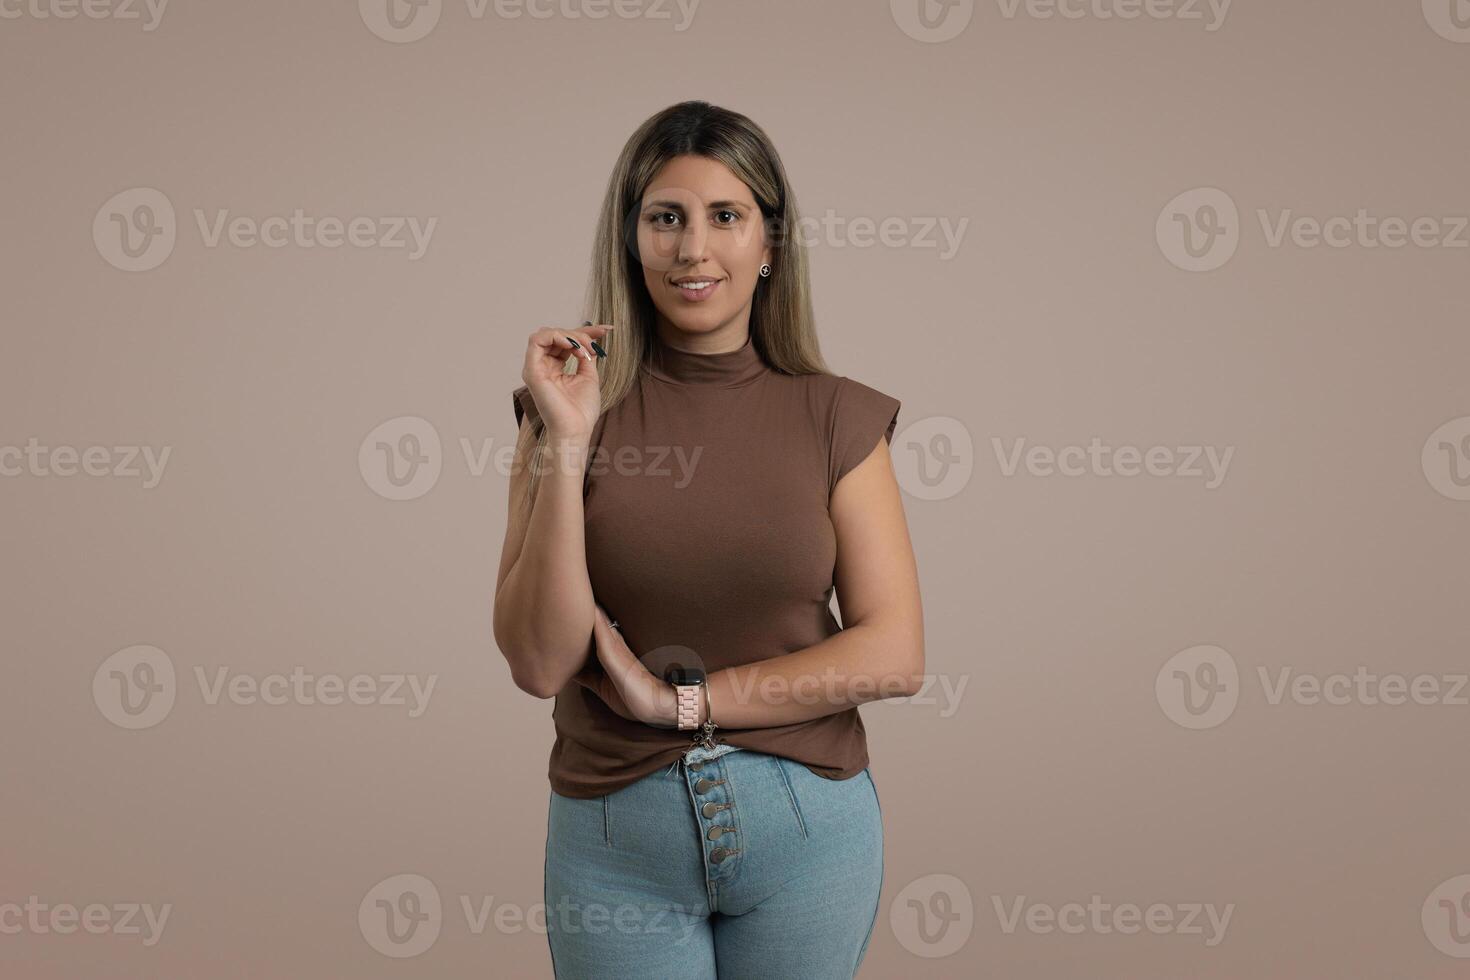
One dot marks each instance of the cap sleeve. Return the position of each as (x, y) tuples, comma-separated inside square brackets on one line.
[(525, 405), (860, 415)]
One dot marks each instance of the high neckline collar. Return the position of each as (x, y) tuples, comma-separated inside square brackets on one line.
[(727, 369)]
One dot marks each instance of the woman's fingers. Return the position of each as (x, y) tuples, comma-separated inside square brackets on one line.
[(546, 353), (585, 335), (549, 347)]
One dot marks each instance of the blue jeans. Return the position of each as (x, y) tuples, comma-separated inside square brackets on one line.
[(730, 863)]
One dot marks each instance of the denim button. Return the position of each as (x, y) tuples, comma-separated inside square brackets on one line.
[(696, 766), (718, 854), (705, 785), (710, 809)]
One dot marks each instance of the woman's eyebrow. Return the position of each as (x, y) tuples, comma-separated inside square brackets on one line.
[(712, 204)]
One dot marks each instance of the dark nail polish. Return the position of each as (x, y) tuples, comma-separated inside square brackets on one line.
[(598, 348), (574, 343), (586, 323)]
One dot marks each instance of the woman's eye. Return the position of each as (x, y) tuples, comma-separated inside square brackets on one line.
[(733, 216), (657, 219)]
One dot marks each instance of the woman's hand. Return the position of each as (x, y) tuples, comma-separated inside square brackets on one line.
[(628, 687), (568, 403)]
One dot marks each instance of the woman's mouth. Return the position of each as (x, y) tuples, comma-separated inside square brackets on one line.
[(698, 290)]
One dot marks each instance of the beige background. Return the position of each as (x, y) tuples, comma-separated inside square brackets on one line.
[(1335, 541)]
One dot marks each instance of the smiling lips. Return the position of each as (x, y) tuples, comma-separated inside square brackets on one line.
[(697, 289)]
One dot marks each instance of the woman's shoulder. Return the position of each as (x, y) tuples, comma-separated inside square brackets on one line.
[(851, 415), (835, 390)]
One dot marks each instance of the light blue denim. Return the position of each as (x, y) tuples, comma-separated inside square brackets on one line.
[(729, 863)]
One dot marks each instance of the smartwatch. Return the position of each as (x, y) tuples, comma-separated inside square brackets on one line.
[(688, 685)]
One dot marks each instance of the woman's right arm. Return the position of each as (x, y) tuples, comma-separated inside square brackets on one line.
[(544, 609)]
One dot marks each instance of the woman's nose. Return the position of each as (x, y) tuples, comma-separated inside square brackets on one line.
[(692, 244)]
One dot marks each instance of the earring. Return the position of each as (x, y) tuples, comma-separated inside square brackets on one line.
[(765, 270)]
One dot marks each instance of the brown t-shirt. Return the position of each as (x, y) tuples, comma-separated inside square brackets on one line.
[(708, 529)]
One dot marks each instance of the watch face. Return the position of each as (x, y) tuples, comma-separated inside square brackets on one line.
[(680, 675)]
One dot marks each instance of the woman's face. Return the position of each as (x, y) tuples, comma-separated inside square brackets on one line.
[(700, 222)]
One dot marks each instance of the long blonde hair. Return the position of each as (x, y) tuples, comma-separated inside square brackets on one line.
[(782, 325)]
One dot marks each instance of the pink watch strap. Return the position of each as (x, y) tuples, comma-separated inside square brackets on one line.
[(688, 706)]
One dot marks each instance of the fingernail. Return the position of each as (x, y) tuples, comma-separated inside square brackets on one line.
[(573, 341), (586, 323), (598, 347)]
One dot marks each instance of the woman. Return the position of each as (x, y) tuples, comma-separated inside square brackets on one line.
[(696, 489)]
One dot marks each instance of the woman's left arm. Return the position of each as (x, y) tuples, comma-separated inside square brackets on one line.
[(878, 654)]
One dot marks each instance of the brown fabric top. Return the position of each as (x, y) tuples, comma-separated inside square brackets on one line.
[(707, 528)]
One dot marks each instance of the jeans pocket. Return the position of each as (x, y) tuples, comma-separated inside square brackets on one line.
[(787, 781), (575, 820)]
